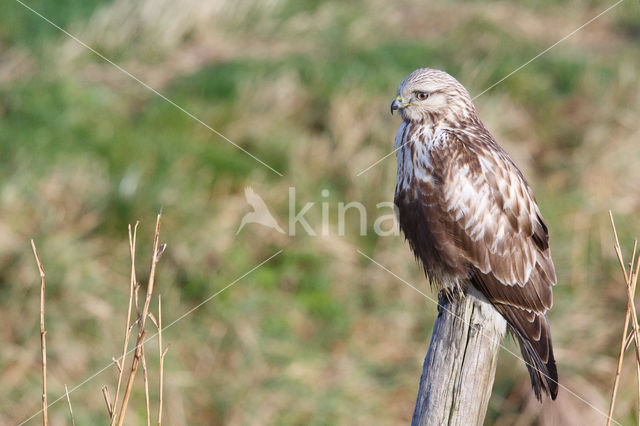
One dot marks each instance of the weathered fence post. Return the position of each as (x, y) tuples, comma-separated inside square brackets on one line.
[(460, 365)]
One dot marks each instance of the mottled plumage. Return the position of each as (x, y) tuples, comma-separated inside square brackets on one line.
[(470, 216)]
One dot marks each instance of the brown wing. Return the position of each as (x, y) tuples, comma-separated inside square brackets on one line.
[(490, 211)]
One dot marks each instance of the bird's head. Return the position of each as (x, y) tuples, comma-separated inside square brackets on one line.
[(431, 96)]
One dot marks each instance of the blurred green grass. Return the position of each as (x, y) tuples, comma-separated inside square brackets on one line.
[(319, 335)]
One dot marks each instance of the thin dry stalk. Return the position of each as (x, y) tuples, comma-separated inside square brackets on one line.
[(630, 294), (142, 321), (631, 287), (107, 400), (635, 330), (162, 355), (623, 345), (145, 375), (634, 281), (137, 302), (117, 363), (127, 330), (66, 392), (134, 368), (628, 340), (43, 339)]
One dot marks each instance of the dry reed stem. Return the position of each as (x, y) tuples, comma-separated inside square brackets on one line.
[(127, 331), (622, 347), (134, 368), (162, 355), (117, 363), (142, 321), (634, 281), (66, 392), (630, 294), (631, 286), (107, 400), (43, 339), (145, 375), (137, 303), (628, 340)]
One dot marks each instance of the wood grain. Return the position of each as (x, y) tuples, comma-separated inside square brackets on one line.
[(459, 368)]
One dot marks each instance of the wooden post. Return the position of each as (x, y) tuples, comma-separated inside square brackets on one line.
[(458, 372)]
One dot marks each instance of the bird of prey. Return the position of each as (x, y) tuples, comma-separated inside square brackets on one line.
[(260, 213), (469, 215)]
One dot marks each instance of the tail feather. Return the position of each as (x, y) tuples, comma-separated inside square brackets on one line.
[(544, 375), (532, 331), (528, 323)]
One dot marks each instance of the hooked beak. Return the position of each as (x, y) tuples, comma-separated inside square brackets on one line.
[(397, 104)]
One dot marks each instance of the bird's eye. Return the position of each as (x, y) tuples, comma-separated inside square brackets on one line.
[(422, 95)]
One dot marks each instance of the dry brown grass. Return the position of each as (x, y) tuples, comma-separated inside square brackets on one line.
[(117, 415), (43, 338), (630, 279), (73, 419), (116, 408)]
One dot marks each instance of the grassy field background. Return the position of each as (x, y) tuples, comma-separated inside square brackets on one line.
[(319, 335)]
